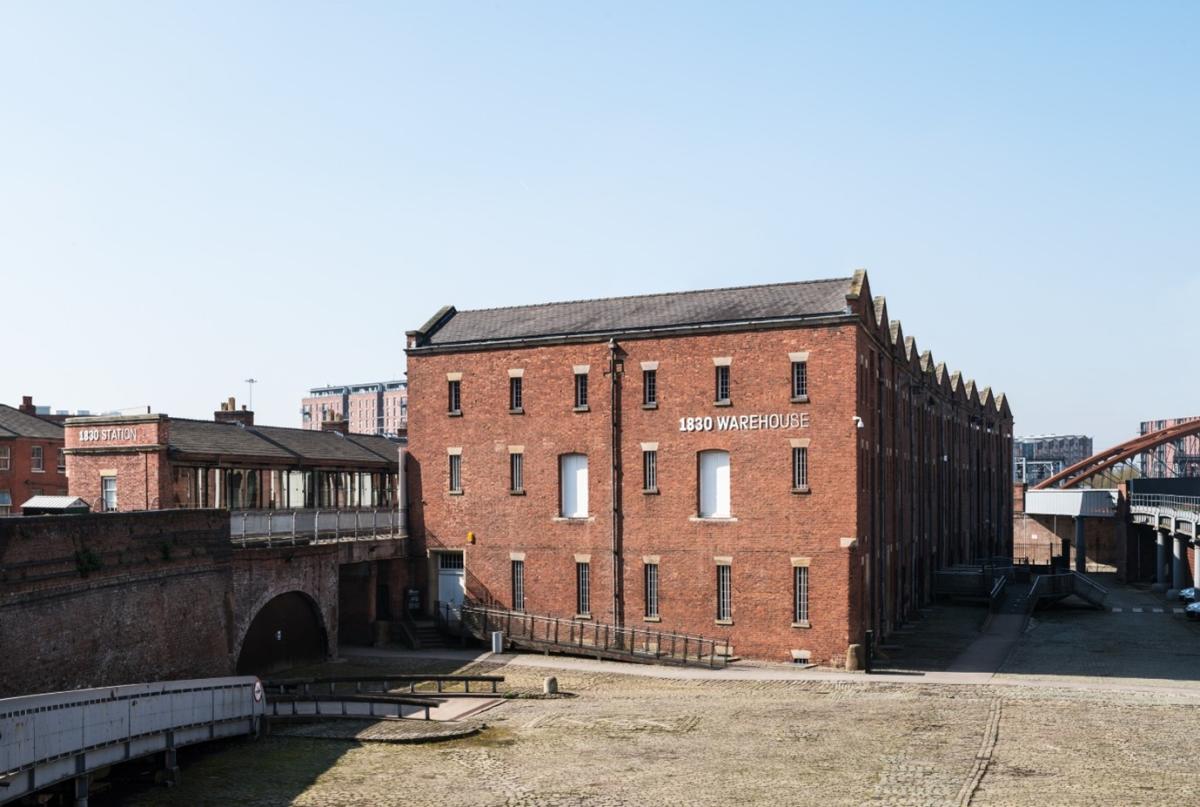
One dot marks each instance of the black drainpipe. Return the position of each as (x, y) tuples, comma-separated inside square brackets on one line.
[(616, 368)]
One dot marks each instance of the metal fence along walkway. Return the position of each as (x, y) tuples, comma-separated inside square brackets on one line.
[(286, 527), (56, 737)]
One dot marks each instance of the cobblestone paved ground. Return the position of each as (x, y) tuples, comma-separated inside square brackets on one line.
[(631, 740), (628, 741)]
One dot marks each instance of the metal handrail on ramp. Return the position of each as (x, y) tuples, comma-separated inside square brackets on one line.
[(1051, 587), (570, 636)]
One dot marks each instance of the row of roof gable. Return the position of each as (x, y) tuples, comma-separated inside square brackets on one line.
[(874, 315)]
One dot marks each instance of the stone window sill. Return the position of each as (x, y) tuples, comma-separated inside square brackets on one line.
[(583, 617), (574, 519), (457, 413), (799, 399), (653, 405), (713, 519), (516, 493), (723, 622), (725, 402), (455, 492), (520, 410), (650, 492), (583, 408), (802, 491), (652, 619), (803, 624)]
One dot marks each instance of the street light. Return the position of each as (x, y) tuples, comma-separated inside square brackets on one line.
[(250, 401)]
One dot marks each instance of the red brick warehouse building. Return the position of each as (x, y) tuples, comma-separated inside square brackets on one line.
[(778, 465)]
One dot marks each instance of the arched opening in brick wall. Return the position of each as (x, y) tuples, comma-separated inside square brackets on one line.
[(286, 632)]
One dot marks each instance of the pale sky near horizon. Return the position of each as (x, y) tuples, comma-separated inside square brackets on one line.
[(195, 193)]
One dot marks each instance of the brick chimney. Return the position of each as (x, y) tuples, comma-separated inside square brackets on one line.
[(229, 413), (27, 405), (336, 423)]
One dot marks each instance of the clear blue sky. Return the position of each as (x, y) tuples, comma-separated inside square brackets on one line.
[(194, 193)]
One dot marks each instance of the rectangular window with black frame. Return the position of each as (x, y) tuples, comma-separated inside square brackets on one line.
[(800, 590), (515, 397), (724, 594), (650, 472), (651, 584), (649, 388), (581, 391), (800, 381), (518, 585), (799, 469), (722, 384), (516, 473), (583, 592)]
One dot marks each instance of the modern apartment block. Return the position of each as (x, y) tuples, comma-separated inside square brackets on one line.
[(779, 465), (377, 408), (1040, 457), (1173, 460)]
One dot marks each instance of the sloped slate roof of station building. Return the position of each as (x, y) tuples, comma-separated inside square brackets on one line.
[(15, 423), (810, 298), (315, 445), (207, 437), (227, 439)]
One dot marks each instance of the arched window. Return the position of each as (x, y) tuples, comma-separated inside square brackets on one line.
[(713, 484)]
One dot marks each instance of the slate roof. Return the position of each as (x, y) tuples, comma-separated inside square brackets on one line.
[(15, 423), (324, 446), (277, 442), (615, 315), (229, 439)]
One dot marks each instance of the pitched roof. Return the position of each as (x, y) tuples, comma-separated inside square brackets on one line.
[(55, 502), (277, 442), (616, 315), (15, 423), (212, 437), (323, 446)]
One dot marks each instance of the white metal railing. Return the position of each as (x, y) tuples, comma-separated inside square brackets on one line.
[(1158, 501), (58, 736), (312, 526)]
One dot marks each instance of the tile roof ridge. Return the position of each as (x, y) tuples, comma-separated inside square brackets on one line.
[(656, 294)]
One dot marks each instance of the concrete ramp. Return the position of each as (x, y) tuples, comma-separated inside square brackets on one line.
[(1052, 587)]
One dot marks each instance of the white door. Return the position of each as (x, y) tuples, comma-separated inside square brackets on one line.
[(451, 584)]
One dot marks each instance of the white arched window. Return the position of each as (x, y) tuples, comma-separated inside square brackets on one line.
[(714, 484), (573, 485)]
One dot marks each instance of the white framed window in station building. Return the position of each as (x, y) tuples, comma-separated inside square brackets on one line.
[(108, 493), (573, 485), (713, 484)]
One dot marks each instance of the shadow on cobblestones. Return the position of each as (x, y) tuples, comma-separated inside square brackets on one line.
[(263, 773)]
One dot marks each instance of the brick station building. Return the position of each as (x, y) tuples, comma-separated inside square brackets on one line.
[(154, 461), (777, 465)]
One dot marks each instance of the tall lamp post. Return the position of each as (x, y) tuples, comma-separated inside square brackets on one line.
[(250, 402)]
